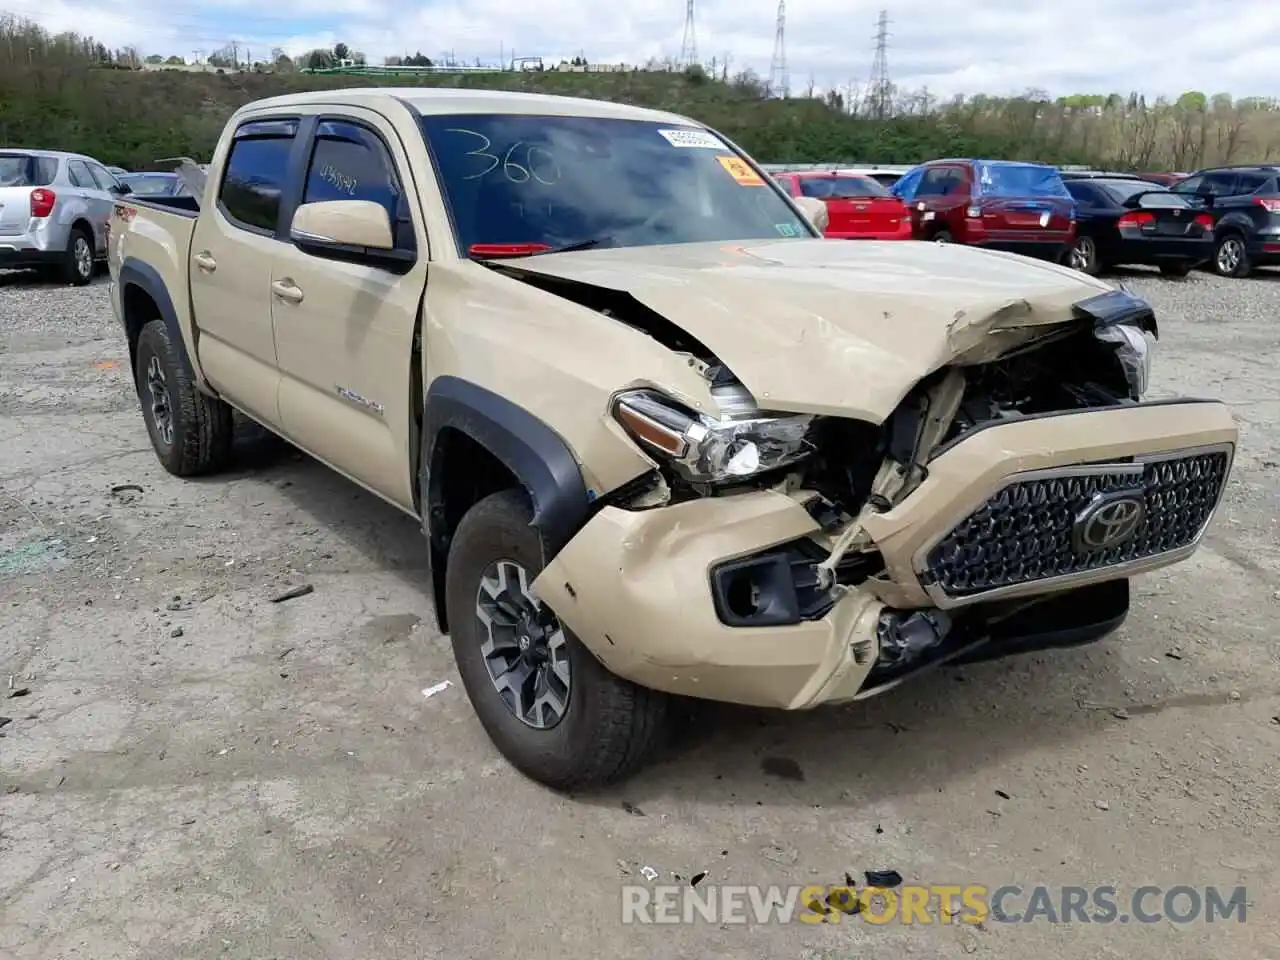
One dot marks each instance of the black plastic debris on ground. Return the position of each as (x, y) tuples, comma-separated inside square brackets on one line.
[(293, 593), (632, 809), (697, 878), (884, 879)]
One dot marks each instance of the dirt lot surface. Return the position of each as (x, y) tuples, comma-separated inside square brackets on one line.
[(193, 771)]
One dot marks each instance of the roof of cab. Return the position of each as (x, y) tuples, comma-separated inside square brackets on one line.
[(447, 100)]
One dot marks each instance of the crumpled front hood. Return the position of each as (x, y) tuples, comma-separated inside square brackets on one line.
[(835, 327)]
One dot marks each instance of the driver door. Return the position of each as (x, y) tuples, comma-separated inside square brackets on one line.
[(344, 328)]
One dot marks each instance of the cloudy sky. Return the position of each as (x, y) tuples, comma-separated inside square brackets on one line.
[(991, 46)]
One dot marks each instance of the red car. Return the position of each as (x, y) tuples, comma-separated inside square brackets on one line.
[(858, 208), (1003, 205)]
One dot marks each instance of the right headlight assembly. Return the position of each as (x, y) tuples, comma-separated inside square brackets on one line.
[(702, 449)]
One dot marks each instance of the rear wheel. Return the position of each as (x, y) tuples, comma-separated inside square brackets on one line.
[(190, 431), (1175, 269), (545, 701), (1083, 256), (77, 263), (1231, 256)]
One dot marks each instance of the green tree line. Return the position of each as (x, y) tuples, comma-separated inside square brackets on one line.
[(70, 92)]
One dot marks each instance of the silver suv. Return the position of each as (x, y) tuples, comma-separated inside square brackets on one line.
[(54, 209)]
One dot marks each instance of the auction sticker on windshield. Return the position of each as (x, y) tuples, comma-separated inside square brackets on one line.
[(739, 170), (692, 138)]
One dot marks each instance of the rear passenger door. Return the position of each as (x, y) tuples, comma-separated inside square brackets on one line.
[(98, 202), (344, 328), (233, 252)]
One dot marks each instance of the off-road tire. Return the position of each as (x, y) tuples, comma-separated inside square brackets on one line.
[(73, 262), (1241, 267), (202, 425), (611, 726), (1175, 269)]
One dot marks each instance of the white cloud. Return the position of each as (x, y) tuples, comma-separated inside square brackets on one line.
[(990, 46)]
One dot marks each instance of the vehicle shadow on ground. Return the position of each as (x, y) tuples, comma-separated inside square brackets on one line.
[(944, 724), (381, 535)]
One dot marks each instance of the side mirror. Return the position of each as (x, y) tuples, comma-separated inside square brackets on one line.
[(122, 189), (815, 211), (330, 226)]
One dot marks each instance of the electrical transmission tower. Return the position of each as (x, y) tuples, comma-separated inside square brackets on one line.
[(779, 82), (689, 45), (879, 90)]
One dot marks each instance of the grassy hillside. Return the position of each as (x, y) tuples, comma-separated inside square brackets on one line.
[(68, 92)]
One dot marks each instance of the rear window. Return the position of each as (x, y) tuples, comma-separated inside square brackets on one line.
[(25, 170), (1153, 194), (1018, 180), (839, 188)]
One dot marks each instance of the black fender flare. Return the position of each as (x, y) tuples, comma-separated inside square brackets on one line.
[(136, 273), (533, 453)]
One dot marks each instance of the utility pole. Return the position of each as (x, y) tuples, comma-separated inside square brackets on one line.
[(779, 82), (689, 44), (879, 90)]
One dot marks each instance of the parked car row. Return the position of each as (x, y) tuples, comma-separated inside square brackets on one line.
[(1227, 218), (55, 208)]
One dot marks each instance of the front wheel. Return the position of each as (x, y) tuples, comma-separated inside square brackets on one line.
[(1231, 256), (942, 236), (1083, 256), (547, 704), (190, 431)]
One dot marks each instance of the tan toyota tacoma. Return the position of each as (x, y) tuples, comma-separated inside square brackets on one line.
[(663, 439)]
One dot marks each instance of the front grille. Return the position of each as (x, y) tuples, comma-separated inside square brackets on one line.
[(1030, 530)]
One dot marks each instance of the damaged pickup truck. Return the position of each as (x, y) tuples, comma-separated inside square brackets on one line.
[(662, 438)]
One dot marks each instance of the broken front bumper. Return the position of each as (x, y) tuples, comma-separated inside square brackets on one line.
[(636, 586)]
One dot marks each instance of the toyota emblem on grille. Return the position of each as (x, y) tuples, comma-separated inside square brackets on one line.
[(1109, 520)]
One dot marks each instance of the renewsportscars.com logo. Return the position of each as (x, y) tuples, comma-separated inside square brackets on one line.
[(932, 904)]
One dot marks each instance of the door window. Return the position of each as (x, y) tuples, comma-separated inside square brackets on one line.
[(102, 178), (1219, 185), (78, 173), (940, 181), (256, 171), (350, 162)]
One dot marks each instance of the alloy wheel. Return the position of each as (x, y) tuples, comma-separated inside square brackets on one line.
[(524, 649), (1230, 253), (83, 256), (1082, 254), (161, 408)]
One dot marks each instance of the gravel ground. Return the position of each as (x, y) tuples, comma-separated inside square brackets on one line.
[(197, 772)]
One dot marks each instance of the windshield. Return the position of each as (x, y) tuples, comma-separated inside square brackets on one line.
[(515, 179), (1018, 180), (1122, 190), (24, 170), (840, 188), (152, 186)]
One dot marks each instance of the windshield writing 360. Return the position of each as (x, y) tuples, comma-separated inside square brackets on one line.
[(553, 182)]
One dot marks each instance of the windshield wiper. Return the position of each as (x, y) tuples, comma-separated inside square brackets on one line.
[(579, 245)]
